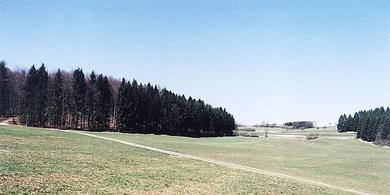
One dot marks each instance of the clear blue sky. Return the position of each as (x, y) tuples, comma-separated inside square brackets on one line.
[(262, 60)]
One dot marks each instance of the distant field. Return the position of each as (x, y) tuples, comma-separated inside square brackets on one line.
[(329, 132), (47, 161), (344, 162)]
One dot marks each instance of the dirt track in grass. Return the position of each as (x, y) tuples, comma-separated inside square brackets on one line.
[(222, 163)]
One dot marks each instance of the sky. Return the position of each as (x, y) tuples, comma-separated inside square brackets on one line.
[(272, 61)]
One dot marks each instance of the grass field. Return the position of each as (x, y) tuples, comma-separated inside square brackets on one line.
[(343, 162), (47, 161)]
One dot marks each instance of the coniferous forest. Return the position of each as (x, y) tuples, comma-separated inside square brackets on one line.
[(370, 125), (73, 100)]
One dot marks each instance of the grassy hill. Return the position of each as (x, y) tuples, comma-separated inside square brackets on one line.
[(46, 161), (334, 158)]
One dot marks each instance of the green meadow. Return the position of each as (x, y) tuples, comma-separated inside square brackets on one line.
[(47, 161), (333, 158)]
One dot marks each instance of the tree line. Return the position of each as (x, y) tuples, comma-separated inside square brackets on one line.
[(371, 125), (73, 100), (299, 124)]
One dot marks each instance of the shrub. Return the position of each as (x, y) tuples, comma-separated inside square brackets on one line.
[(311, 136)]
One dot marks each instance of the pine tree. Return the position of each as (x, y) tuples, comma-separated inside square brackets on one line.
[(128, 108), (56, 106), (29, 114), (103, 103), (42, 95), (79, 89), (121, 107), (384, 130), (91, 101), (4, 89), (36, 97), (364, 128), (349, 123), (370, 132), (68, 100), (341, 126), (355, 122)]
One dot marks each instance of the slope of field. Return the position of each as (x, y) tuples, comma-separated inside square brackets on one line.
[(342, 162), (46, 161)]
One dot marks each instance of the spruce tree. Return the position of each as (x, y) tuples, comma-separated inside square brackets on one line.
[(121, 107), (340, 124), (79, 88), (29, 113), (91, 101), (56, 109), (4, 89), (384, 130), (103, 103), (42, 95), (36, 97)]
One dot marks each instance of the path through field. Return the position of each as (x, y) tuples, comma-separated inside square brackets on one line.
[(223, 163), (6, 122)]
